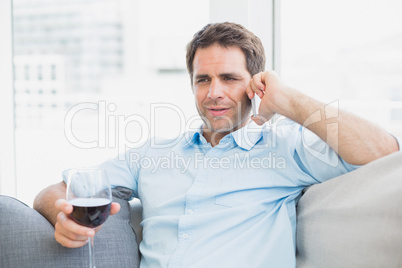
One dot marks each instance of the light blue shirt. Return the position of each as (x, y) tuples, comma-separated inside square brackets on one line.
[(232, 205)]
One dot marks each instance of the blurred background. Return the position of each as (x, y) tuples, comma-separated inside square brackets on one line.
[(90, 78)]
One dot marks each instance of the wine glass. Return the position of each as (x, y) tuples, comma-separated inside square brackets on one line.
[(89, 192)]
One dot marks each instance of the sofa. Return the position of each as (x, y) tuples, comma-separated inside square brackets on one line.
[(354, 220)]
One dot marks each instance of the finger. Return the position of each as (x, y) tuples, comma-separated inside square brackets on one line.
[(63, 205), (66, 242), (257, 89), (259, 120), (62, 232), (114, 208), (270, 78), (69, 226), (259, 81), (249, 91)]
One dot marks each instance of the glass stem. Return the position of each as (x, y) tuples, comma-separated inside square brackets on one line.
[(91, 252)]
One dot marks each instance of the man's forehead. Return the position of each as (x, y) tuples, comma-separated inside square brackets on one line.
[(219, 59), (219, 50)]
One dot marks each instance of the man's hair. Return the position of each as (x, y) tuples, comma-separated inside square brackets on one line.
[(228, 34)]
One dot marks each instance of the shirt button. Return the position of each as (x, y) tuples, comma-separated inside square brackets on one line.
[(185, 235), (190, 211)]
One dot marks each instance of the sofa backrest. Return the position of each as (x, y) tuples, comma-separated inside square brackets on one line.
[(354, 220)]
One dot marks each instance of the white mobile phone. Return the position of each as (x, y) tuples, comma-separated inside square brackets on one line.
[(254, 106)]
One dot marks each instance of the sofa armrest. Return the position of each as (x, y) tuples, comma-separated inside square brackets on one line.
[(354, 220), (27, 240)]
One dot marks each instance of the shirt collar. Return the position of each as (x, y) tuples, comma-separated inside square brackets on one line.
[(245, 137), (193, 136), (248, 136)]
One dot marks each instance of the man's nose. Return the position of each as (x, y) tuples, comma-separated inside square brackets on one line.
[(216, 90)]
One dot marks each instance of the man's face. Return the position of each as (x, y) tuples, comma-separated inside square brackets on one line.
[(220, 79)]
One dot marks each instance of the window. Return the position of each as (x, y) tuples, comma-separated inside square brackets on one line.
[(112, 55), (348, 51)]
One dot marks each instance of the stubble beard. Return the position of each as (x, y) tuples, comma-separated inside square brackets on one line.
[(241, 118)]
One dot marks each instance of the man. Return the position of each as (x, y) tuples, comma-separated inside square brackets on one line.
[(230, 200)]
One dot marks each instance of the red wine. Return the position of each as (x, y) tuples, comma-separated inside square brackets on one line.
[(90, 212)]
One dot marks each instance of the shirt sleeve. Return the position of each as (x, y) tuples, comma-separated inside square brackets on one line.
[(123, 170), (317, 158)]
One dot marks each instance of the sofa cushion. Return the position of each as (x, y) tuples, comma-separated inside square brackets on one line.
[(354, 220)]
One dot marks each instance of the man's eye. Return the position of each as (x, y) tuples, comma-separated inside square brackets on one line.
[(230, 78), (202, 80)]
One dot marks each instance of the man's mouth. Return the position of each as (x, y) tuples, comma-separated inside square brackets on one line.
[(217, 111)]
